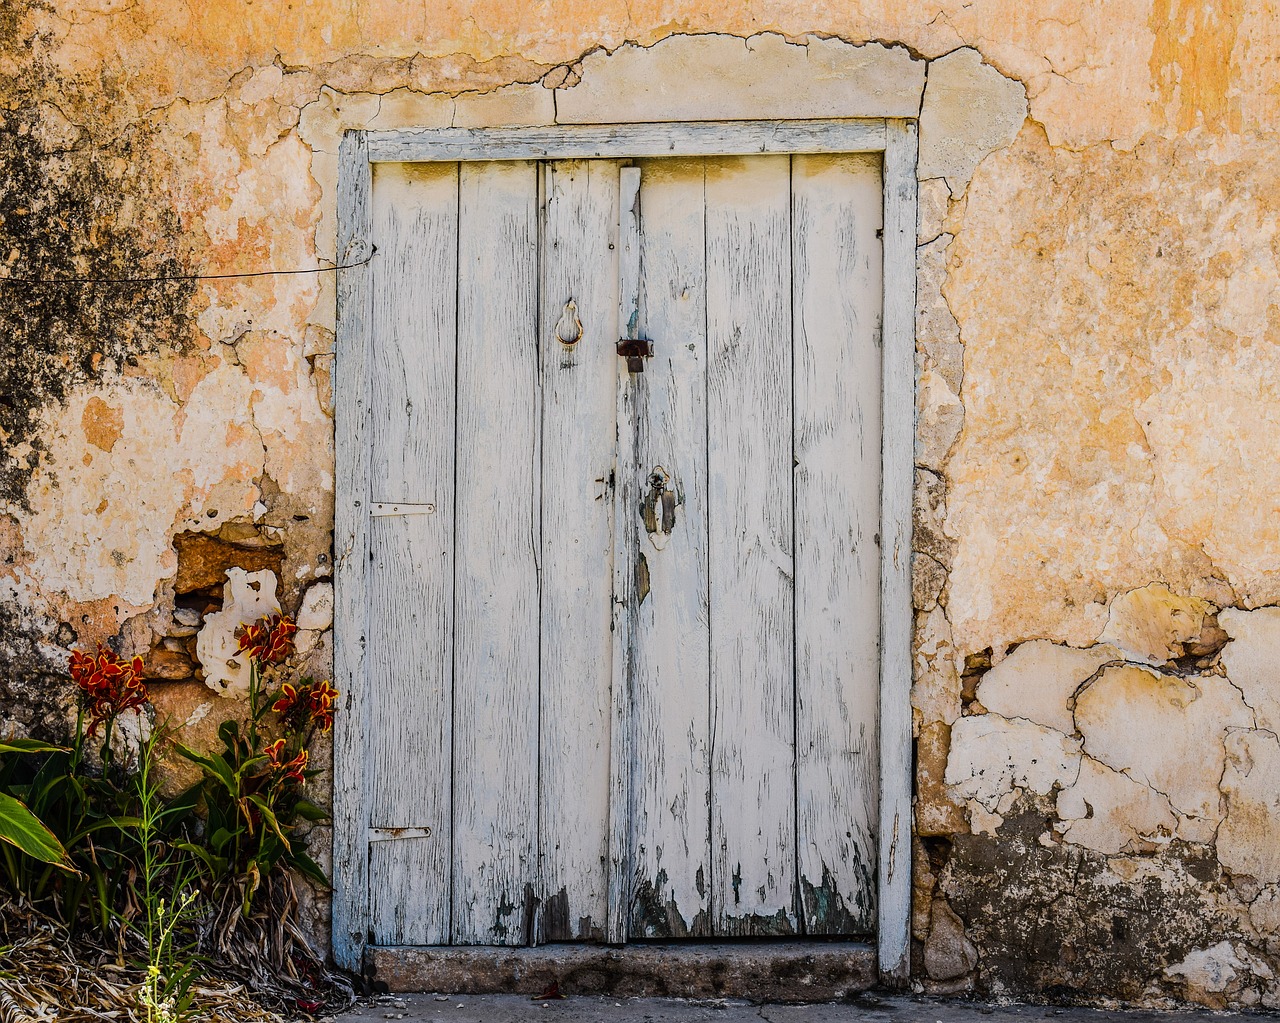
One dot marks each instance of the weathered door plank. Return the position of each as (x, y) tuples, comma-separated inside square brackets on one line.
[(495, 751), (577, 338), (625, 497), (671, 735), (836, 287), (750, 542), (411, 557), (351, 767)]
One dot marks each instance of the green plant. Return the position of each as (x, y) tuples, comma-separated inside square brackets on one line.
[(251, 790), (87, 808), (164, 870), (166, 993), (21, 828)]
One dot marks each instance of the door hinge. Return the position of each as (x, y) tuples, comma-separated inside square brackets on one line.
[(400, 508), (393, 834)]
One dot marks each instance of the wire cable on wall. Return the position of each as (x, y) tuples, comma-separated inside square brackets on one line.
[(37, 281)]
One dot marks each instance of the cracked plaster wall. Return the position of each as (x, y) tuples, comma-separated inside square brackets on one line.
[(1097, 542)]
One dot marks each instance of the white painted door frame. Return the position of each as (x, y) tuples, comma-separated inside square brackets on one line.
[(896, 139)]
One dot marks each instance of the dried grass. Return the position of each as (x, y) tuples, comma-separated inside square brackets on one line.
[(47, 976)]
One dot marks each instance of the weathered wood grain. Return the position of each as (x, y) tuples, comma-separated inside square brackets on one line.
[(409, 581), (750, 535), (898, 469), (671, 843), (625, 497), (634, 141), (836, 287), (577, 338), (350, 545), (788, 650), (495, 749)]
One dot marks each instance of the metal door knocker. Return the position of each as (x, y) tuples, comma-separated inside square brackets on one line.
[(569, 327)]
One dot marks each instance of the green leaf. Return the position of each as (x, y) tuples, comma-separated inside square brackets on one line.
[(269, 816), (310, 812), (308, 867), (229, 732), (219, 839), (251, 762), (217, 864), (215, 766), (29, 746), (23, 830), (119, 823)]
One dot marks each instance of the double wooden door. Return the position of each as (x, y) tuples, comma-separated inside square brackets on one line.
[(624, 569)]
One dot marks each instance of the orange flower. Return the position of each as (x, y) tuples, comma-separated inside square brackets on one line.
[(288, 699), (322, 699), (291, 770), (312, 702), (108, 685), (268, 640)]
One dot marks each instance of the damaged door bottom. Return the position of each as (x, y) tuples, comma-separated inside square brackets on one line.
[(790, 971)]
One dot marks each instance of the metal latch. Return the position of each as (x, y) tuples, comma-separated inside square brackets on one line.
[(635, 350)]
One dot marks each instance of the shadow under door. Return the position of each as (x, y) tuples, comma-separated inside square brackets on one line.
[(624, 569)]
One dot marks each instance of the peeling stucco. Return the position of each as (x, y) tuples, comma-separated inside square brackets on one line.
[(1096, 538)]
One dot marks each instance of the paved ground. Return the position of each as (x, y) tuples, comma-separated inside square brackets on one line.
[(868, 1009)]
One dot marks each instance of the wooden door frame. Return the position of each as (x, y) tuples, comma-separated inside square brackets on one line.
[(896, 138)]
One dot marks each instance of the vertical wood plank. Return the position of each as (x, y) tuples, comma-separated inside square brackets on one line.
[(350, 544), (410, 572), (898, 469), (750, 535), (837, 285), (626, 495), (671, 842), (495, 759), (577, 335)]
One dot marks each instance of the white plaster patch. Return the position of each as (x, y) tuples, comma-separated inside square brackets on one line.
[(1252, 659), (969, 111), (196, 716), (994, 759), (1111, 813), (247, 596), (1038, 680), (723, 77), (1247, 840), (316, 612), (1216, 968), (1142, 722)]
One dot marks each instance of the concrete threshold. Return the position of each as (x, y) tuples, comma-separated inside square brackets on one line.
[(785, 971)]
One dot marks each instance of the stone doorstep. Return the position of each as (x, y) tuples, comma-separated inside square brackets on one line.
[(789, 971)]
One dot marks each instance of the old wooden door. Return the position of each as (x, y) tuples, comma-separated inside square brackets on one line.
[(635, 589)]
